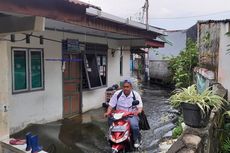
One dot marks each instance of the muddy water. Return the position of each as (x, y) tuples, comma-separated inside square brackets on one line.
[(156, 107), (87, 133), (81, 134)]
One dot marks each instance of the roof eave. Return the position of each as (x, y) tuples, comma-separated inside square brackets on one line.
[(109, 17)]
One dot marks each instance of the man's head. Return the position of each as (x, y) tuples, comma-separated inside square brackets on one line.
[(127, 87)]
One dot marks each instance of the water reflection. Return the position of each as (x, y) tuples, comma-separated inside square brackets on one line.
[(70, 135)]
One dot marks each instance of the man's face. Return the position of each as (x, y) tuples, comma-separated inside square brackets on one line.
[(127, 87)]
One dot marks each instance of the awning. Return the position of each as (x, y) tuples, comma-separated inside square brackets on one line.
[(154, 44)]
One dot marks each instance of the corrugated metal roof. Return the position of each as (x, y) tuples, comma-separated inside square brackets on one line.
[(84, 4), (213, 21)]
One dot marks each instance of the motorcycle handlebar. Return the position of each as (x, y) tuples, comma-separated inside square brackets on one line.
[(126, 113)]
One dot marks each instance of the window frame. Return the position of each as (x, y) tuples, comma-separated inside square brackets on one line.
[(87, 74), (13, 76), (28, 69), (95, 53), (101, 55), (121, 62)]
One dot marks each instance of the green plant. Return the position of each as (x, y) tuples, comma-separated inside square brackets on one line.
[(207, 39), (226, 145), (182, 65), (203, 100), (177, 131), (227, 113)]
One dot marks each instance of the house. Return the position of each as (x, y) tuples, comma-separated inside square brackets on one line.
[(158, 58), (213, 44), (57, 57)]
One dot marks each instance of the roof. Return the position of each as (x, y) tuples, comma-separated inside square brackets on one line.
[(106, 16), (181, 30), (213, 21), (79, 13), (77, 2)]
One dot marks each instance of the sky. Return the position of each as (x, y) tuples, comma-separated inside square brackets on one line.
[(165, 13)]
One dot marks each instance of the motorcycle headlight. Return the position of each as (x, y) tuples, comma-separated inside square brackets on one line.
[(123, 138)]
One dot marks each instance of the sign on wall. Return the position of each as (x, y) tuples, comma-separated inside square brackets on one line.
[(71, 45)]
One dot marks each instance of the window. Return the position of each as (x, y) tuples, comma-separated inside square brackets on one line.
[(36, 69), (27, 69), (121, 63), (95, 66), (20, 70), (102, 62)]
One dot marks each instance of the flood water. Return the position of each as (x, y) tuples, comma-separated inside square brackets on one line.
[(87, 133)]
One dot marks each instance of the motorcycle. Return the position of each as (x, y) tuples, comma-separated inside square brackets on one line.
[(120, 135)]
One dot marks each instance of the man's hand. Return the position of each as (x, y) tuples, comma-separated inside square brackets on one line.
[(136, 113), (106, 114), (109, 110)]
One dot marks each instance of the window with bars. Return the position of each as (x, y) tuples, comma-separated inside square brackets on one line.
[(94, 66), (27, 69)]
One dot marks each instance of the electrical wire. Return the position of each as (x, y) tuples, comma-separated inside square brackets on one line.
[(188, 17)]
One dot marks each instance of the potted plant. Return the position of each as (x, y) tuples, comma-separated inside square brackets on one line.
[(196, 106)]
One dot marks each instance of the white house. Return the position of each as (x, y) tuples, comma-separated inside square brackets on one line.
[(57, 60)]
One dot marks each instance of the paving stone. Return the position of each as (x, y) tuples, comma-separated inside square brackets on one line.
[(186, 151), (190, 139), (178, 145)]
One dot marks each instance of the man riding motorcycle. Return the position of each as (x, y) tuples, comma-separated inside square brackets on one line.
[(122, 100)]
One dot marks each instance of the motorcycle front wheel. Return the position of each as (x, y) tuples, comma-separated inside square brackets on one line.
[(121, 151)]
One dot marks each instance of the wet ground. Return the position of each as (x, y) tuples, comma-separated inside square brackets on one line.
[(87, 133)]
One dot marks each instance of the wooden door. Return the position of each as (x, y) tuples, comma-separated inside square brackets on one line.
[(71, 84)]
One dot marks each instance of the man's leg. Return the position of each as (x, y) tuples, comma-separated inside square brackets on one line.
[(134, 121), (110, 121)]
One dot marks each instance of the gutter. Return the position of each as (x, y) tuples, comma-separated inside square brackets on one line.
[(109, 17)]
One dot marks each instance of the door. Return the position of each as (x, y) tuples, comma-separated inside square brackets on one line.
[(71, 84)]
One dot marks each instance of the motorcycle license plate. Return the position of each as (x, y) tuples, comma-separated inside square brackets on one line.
[(118, 129)]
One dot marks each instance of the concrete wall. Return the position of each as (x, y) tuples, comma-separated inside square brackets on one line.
[(93, 98), (178, 40), (158, 66), (208, 45), (224, 62), (4, 92), (159, 70), (45, 106), (38, 106), (126, 64)]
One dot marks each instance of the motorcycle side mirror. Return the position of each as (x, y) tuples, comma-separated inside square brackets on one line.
[(135, 102)]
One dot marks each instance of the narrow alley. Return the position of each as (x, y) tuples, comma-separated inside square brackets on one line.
[(87, 133)]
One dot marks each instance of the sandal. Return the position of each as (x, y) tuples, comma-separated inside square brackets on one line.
[(17, 142)]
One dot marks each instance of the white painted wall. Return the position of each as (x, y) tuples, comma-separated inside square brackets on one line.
[(4, 92), (38, 106), (94, 98), (178, 40), (224, 62), (126, 63), (45, 106)]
